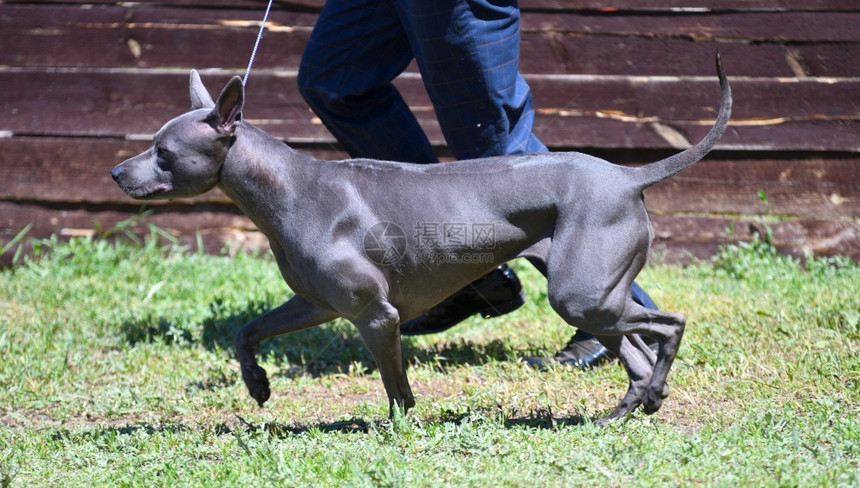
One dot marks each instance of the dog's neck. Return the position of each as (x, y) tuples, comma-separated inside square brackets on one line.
[(260, 174)]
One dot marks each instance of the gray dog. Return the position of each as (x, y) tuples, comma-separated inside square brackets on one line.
[(380, 242)]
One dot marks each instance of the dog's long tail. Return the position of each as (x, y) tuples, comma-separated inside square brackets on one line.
[(660, 170)]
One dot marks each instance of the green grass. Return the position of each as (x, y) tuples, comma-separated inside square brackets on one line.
[(117, 370)]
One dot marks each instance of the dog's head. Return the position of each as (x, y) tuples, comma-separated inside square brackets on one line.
[(187, 153)]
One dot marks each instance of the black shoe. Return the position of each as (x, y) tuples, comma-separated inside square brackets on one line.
[(497, 293), (582, 351)]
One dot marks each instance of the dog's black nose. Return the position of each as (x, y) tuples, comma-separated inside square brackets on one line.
[(116, 171)]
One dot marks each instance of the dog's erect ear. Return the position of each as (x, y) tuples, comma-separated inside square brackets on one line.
[(228, 108), (200, 97)]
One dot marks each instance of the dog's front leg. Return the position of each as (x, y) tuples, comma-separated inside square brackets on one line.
[(296, 314), (380, 331)]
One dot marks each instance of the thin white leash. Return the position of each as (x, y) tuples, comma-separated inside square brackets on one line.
[(257, 43)]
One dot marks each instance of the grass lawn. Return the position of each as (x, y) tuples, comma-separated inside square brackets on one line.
[(117, 369)]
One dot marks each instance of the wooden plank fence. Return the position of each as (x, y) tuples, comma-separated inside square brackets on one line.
[(84, 84)]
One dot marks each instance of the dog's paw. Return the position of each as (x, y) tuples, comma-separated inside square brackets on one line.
[(654, 400), (605, 421), (623, 410), (257, 382)]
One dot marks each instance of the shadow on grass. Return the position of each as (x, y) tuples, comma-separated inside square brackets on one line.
[(537, 420), (332, 348), (107, 433)]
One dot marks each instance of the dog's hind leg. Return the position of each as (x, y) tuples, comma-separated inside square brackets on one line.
[(380, 330), (296, 314), (637, 342), (667, 329), (639, 366)]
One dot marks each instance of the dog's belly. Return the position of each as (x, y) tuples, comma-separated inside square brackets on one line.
[(426, 273)]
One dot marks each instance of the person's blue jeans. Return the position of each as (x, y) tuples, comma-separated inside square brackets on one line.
[(467, 52)]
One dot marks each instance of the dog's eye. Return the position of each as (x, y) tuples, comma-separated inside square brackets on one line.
[(163, 157)]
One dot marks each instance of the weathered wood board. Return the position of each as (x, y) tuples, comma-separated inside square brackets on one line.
[(572, 111), (83, 84), (808, 186)]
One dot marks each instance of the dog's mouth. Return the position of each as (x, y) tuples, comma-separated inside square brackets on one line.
[(147, 192)]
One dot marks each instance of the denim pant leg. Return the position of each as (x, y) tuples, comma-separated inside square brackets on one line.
[(641, 297), (354, 52), (468, 54)]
